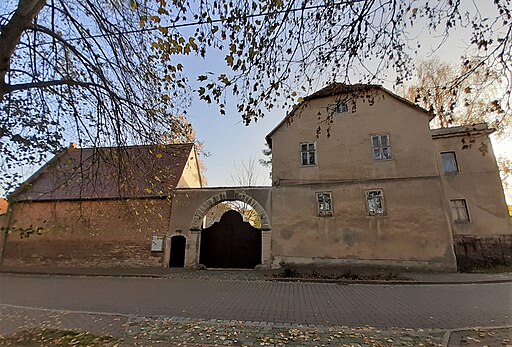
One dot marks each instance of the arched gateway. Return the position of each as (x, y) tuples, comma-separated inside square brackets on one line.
[(231, 242), (229, 195), (191, 205)]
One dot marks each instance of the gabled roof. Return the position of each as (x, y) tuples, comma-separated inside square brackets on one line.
[(107, 173), (340, 89)]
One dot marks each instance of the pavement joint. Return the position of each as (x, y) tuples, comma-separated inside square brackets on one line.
[(446, 339), (56, 310), (238, 312)]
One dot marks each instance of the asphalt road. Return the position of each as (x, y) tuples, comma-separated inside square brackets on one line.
[(381, 306)]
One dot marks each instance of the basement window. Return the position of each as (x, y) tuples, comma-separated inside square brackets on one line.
[(375, 202), (324, 203), (459, 210)]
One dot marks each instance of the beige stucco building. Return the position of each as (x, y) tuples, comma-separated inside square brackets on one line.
[(358, 179)]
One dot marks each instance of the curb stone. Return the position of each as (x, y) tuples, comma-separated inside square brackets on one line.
[(484, 336), (392, 282), (248, 275), (208, 332)]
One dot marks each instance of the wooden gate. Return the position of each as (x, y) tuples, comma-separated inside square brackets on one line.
[(230, 243)]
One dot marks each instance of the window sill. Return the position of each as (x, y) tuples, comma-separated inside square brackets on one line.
[(325, 215), (309, 165)]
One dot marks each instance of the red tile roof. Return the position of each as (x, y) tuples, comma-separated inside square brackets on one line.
[(108, 172)]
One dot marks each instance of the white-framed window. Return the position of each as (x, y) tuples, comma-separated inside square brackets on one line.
[(459, 210), (381, 147), (449, 161), (324, 203), (375, 202), (308, 154), (341, 107)]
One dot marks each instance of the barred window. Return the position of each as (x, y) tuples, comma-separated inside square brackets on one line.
[(324, 203), (375, 202)]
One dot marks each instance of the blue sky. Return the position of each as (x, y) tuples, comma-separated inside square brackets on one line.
[(230, 142)]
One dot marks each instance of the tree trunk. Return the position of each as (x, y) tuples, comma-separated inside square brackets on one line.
[(11, 33)]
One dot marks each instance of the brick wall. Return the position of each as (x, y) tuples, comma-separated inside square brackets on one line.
[(3, 220), (88, 233), (3, 224), (473, 251)]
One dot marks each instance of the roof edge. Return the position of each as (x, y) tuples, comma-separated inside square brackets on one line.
[(161, 197), (357, 88), (140, 146), (462, 130), (408, 102), (35, 175), (190, 146)]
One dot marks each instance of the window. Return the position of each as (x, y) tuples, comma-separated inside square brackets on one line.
[(449, 162), (375, 202), (324, 203), (341, 107), (459, 210), (381, 147), (308, 153)]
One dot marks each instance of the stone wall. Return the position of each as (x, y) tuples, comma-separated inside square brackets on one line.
[(87, 233), (476, 251)]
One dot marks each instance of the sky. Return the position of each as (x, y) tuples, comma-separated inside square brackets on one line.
[(229, 142)]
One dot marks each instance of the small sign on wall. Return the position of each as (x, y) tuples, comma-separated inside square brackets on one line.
[(157, 243)]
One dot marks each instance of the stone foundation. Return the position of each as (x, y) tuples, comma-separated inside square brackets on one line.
[(361, 266), (473, 251)]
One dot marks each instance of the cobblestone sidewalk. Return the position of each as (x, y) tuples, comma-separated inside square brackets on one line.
[(179, 331)]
